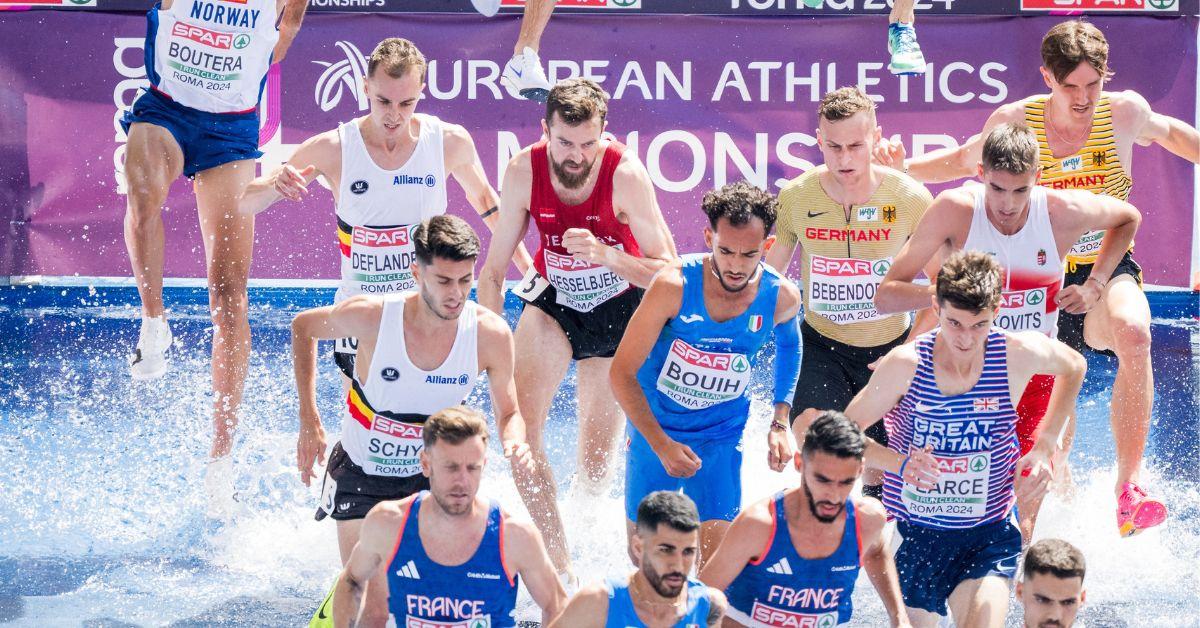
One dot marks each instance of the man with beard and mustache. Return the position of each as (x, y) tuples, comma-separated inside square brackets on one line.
[(1051, 586), (420, 352), (683, 370), (792, 560), (601, 240), (660, 594), (450, 557)]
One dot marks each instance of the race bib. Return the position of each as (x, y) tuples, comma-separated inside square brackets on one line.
[(531, 286), (381, 259), (328, 492), (961, 491), (842, 290), (698, 379), (474, 622), (764, 615), (1088, 245), (394, 448), (1024, 310), (582, 285)]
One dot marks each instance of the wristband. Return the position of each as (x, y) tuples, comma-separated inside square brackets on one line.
[(1093, 278), (776, 425), (902, 465)]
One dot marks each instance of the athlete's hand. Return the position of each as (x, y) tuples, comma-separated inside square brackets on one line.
[(1079, 299), (310, 448), (519, 456), (1034, 472), (678, 459), (890, 154), (779, 449), (292, 184), (582, 244), (922, 469)]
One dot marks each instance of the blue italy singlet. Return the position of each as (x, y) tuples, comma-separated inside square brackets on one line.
[(783, 589), (621, 613), (698, 372), (479, 592)]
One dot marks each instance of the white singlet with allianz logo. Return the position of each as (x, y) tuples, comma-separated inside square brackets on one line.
[(377, 208), (698, 379), (842, 289), (1033, 270), (212, 55), (395, 386)]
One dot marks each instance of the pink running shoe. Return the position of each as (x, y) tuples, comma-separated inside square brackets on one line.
[(1136, 511)]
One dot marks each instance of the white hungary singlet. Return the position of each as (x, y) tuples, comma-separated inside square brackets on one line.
[(212, 55), (377, 209)]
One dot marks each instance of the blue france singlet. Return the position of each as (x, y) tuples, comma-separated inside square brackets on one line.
[(479, 592), (974, 439), (621, 613), (784, 589), (698, 372)]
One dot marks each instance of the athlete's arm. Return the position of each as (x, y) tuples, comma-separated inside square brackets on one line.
[(635, 202), (779, 256), (289, 20), (949, 164), (377, 537), (1033, 353), (877, 560), (1172, 134), (507, 234), (717, 605), (462, 162), (496, 352), (319, 155), (899, 292), (356, 317), (526, 555), (661, 303), (586, 609), (744, 542), (1078, 211), (787, 370)]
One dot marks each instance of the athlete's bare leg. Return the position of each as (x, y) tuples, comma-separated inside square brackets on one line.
[(228, 243), (153, 160), (375, 600), (902, 11), (1121, 322), (533, 24), (980, 603), (542, 357), (600, 422)]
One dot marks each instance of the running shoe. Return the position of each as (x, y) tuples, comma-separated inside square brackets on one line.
[(1136, 511), (905, 51), (149, 359), (524, 73), (486, 8)]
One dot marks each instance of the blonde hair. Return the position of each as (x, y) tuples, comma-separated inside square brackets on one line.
[(845, 102), (396, 57), (454, 425)]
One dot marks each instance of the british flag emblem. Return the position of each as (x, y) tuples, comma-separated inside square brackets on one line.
[(987, 404)]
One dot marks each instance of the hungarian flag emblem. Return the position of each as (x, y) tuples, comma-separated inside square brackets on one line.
[(755, 322)]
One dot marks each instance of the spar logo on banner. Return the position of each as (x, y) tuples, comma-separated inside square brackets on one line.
[(339, 77), (1100, 5), (584, 4)]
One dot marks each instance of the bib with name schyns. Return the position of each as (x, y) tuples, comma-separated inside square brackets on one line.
[(842, 289), (580, 284), (381, 259)]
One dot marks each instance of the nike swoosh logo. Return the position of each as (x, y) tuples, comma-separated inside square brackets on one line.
[(812, 215)]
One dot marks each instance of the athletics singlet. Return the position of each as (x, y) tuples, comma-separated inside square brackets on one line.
[(782, 589), (580, 285), (974, 440), (697, 376), (377, 209), (479, 593), (622, 614), (211, 55), (381, 426), (1095, 167)]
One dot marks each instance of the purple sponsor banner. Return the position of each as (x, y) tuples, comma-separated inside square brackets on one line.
[(702, 101)]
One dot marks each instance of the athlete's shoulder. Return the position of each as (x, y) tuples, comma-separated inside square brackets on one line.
[(631, 169), (806, 182), (1015, 111), (788, 298), (959, 197), (491, 323), (904, 187), (1127, 101), (899, 360), (718, 604), (757, 519), (389, 513), (453, 134), (522, 161), (869, 509)]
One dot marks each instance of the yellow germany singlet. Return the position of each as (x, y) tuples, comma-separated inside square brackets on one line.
[(1095, 168), (843, 261)]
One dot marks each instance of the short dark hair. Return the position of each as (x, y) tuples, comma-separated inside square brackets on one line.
[(670, 507), (738, 203), (1054, 557), (834, 434), (454, 425), (577, 100), (969, 280), (1011, 147), (1071, 43), (447, 237)]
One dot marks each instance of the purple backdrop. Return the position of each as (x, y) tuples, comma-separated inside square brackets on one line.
[(704, 100)]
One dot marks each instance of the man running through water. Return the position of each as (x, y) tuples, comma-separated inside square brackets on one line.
[(208, 131), (952, 464), (683, 370), (601, 239), (449, 556), (388, 171), (421, 351), (793, 559), (1085, 139), (1051, 585), (660, 594), (1028, 229), (849, 219)]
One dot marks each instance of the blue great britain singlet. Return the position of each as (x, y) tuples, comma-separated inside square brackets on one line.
[(974, 439), (621, 613), (479, 593), (782, 589), (698, 372)]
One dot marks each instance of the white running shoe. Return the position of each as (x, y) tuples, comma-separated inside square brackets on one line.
[(149, 360), (486, 8), (524, 74)]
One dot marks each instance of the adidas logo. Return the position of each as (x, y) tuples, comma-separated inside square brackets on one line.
[(782, 567), (409, 570)]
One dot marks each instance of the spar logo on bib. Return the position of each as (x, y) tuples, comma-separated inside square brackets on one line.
[(212, 39), (697, 379), (381, 237), (776, 617)]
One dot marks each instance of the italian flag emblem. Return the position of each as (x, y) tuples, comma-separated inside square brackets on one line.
[(755, 322)]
